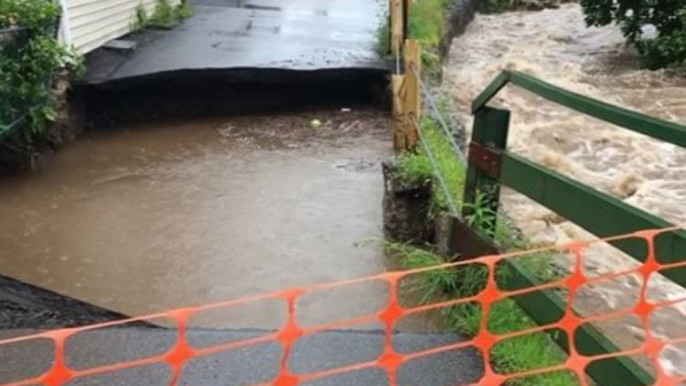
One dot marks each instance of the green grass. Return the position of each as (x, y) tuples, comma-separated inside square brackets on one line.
[(511, 356), (417, 167), (426, 22), (431, 282), (427, 25)]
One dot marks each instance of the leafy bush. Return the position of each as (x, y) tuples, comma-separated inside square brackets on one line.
[(29, 60), (668, 17), (141, 18), (164, 15), (184, 10), (32, 14)]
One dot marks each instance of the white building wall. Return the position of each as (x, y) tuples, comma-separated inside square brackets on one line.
[(88, 24)]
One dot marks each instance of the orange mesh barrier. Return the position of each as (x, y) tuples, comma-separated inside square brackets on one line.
[(390, 360)]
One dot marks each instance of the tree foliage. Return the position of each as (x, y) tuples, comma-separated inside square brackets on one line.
[(29, 56), (668, 17)]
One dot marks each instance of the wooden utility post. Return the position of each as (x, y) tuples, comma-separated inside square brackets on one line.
[(397, 29), (399, 116), (413, 102), (406, 88), (406, 17), (407, 101)]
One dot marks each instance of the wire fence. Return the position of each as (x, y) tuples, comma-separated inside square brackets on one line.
[(452, 206), (426, 146), (426, 92)]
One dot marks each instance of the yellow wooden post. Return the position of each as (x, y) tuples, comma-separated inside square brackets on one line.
[(413, 101), (399, 117), (397, 25)]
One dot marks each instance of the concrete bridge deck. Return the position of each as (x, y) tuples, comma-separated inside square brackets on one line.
[(253, 34)]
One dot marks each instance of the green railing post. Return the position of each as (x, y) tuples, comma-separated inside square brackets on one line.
[(482, 188)]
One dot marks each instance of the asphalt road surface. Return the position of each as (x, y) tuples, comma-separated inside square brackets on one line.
[(243, 366)]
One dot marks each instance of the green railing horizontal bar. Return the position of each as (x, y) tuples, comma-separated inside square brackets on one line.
[(597, 212), (491, 91), (546, 307), (640, 123)]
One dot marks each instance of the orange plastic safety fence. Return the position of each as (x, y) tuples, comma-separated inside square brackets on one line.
[(390, 360)]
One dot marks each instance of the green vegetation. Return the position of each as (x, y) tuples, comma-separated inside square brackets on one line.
[(418, 167), (510, 356), (141, 19), (668, 17), (184, 10), (29, 57), (426, 24), (164, 15), (383, 37), (515, 355)]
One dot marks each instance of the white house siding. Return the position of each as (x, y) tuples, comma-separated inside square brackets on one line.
[(91, 23)]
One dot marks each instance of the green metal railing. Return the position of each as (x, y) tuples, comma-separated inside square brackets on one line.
[(490, 165)]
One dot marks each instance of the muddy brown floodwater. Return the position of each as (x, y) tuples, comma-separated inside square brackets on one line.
[(147, 218), (556, 46)]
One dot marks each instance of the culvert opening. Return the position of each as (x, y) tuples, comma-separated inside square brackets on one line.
[(188, 94)]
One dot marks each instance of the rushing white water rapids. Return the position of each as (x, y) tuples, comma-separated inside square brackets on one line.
[(556, 46)]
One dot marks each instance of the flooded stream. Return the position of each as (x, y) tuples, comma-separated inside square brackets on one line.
[(555, 45), (591, 61), (152, 217)]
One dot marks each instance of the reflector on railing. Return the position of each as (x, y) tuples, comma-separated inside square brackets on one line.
[(176, 348)]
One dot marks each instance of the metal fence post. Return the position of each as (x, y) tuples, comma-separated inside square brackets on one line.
[(482, 186)]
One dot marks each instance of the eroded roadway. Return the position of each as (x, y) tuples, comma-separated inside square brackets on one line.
[(311, 195), (254, 34)]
